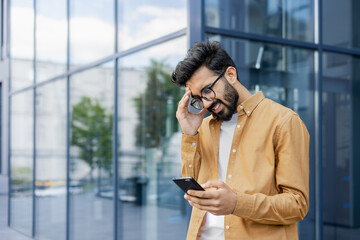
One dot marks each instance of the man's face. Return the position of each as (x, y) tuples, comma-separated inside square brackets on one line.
[(226, 97)]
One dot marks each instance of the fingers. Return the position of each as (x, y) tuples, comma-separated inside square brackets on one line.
[(213, 184), (222, 200), (182, 107), (203, 112), (202, 201), (200, 194), (209, 205), (185, 99)]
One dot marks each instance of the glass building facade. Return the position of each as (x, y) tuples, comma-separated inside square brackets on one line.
[(89, 138)]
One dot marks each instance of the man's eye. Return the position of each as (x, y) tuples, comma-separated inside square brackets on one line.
[(206, 91)]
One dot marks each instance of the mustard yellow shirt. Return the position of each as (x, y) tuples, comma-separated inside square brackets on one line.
[(268, 169)]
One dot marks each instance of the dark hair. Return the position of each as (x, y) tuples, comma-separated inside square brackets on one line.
[(208, 54)]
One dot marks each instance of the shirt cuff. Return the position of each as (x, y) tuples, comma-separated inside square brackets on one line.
[(244, 205)]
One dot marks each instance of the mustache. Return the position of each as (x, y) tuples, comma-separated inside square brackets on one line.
[(214, 104)]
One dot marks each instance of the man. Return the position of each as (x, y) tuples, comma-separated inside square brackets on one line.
[(250, 155)]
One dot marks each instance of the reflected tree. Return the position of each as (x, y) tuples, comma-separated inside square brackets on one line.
[(156, 106), (156, 109), (91, 133)]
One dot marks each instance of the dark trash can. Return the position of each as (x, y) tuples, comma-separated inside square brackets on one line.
[(140, 191)]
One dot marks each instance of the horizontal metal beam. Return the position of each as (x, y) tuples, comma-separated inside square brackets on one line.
[(340, 50), (281, 41), (259, 38)]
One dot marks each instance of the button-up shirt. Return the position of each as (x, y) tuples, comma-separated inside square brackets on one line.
[(268, 165)]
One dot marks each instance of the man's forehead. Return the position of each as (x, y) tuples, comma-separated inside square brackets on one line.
[(199, 76), (202, 77)]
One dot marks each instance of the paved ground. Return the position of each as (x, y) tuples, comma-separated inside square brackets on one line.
[(92, 219), (7, 233)]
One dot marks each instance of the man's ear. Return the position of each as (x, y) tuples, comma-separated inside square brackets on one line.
[(231, 75)]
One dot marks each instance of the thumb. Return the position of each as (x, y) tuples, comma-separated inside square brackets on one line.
[(203, 112), (212, 184)]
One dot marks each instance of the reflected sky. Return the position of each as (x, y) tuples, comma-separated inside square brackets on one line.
[(92, 27), (165, 53), (141, 21), (22, 29)]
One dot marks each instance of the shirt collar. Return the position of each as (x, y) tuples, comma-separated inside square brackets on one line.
[(249, 105)]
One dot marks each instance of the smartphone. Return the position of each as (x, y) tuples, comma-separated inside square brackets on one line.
[(191, 108), (188, 183)]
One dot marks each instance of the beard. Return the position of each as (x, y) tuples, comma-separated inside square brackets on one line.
[(232, 97)]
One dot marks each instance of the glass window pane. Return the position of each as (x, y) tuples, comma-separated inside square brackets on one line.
[(340, 156), (91, 169), (340, 23), (22, 43), (21, 162), (22, 73), (142, 20), (92, 30), (50, 184), (285, 75), (2, 30), (51, 38), (292, 19), (149, 137)]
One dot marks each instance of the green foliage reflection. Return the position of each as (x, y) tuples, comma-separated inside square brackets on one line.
[(156, 106), (91, 132)]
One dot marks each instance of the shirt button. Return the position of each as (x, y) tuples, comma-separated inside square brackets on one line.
[(234, 150), (229, 176), (241, 107), (227, 226), (193, 144), (190, 165), (238, 126), (248, 112)]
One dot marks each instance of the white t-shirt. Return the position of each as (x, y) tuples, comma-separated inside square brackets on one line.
[(214, 226)]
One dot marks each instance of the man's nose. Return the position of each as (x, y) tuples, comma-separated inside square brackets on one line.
[(207, 103)]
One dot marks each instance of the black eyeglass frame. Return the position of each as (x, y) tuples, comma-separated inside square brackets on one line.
[(194, 101)]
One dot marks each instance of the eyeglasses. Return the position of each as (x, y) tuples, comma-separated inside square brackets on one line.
[(207, 93)]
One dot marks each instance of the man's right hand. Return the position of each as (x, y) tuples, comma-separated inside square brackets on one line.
[(189, 122)]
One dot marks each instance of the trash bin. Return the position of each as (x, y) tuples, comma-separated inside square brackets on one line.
[(140, 191)]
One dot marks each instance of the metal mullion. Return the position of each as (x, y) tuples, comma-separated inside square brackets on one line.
[(1, 124), (318, 124), (34, 127), (8, 40), (115, 127), (9, 106), (2, 30), (9, 162), (195, 21), (67, 218), (6, 29), (118, 207)]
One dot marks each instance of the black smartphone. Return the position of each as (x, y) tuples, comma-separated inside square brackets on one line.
[(191, 108), (188, 183)]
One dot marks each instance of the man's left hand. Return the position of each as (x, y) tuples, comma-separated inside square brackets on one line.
[(219, 201)]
